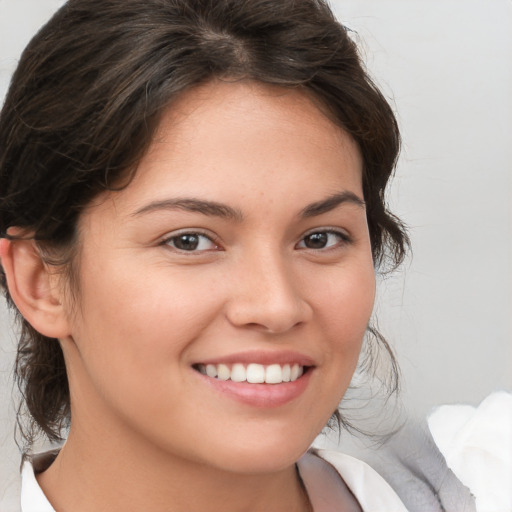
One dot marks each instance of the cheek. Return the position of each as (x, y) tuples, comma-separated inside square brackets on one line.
[(131, 336), (343, 303), (163, 302), (344, 307), (130, 326)]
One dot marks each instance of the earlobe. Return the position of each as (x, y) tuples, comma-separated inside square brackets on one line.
[(33, 287)]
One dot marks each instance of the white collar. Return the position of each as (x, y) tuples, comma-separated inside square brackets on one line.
[(32, 496), (372, 492)]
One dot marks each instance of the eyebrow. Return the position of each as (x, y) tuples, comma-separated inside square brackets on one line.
[(326, 205), (210, 208), (215, 209)]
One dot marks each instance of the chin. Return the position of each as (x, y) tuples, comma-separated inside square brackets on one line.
[(258, 460), (261, 454)]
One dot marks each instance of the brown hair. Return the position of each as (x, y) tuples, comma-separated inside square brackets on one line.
[(86, 99)]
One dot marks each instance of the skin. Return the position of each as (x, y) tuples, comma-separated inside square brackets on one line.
[(146, 311)]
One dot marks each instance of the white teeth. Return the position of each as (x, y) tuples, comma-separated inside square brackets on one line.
[(238, 373), (223, 372), (273, 374), (296, 372), (256, 373), (287, 373), (253, 373), (211, 370)]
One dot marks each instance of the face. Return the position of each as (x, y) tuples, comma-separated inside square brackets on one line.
[(224, 294)]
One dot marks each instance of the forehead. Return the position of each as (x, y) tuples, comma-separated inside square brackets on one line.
[(219, 121), (224, 140), (245, 101)]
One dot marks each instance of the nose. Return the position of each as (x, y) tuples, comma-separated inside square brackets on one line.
[(266, 296)]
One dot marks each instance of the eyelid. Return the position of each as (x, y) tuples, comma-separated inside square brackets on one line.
[(327, 229)]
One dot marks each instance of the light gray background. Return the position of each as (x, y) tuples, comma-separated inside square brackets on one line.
[(445, 65)]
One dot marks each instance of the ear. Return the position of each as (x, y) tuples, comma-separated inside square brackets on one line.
[(33, 287)]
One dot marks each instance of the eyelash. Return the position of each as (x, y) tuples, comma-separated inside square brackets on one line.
[(343, 239)]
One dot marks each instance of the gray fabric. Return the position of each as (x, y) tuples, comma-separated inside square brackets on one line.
[(327, 492), (413, 465)]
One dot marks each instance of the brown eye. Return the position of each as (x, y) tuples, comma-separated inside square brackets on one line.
[(322, 240), (316, 240), (191, 242)]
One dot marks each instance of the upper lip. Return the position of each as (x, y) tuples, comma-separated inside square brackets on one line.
[(261, 357)]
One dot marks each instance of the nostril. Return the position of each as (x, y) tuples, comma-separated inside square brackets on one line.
[(273, 327)]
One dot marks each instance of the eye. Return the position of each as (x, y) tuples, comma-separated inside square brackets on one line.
[(323, 240), (190, 242)]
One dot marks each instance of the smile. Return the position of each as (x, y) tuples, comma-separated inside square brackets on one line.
[(253, 373), (262, 379)]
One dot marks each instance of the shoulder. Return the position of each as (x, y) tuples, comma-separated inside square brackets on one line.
[(361, 478), (371, 491)]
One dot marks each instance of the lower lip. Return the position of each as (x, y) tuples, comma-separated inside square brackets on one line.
[(260, 395)]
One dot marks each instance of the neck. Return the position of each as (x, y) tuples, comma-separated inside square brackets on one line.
[(95, 472)]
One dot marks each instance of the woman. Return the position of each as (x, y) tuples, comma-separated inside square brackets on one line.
[(192, 212)]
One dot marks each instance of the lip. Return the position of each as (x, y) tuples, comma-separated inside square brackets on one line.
[(260, 395), (259, 357), (267, 396)]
